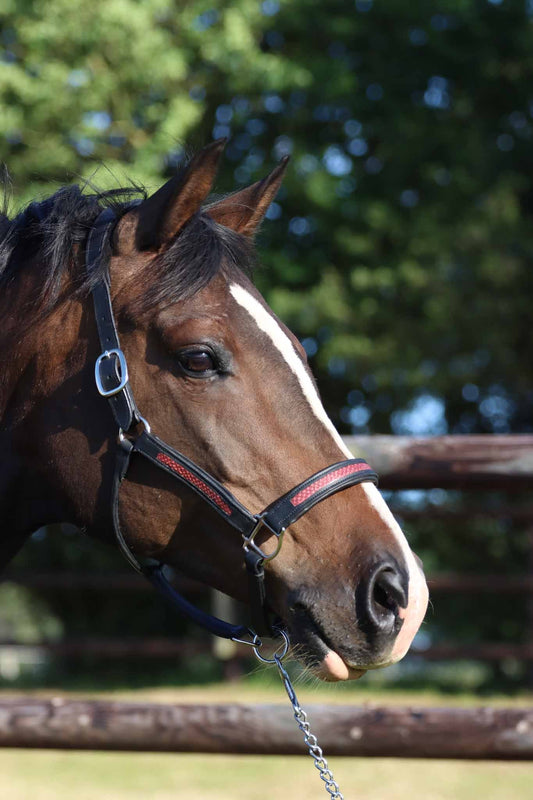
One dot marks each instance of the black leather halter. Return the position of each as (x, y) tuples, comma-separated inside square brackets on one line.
[(112, 382)]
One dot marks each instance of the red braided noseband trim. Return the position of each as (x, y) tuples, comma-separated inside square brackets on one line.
[(197, 482), (326, 480)]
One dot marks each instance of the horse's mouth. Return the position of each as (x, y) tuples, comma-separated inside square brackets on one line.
[(312, 646)]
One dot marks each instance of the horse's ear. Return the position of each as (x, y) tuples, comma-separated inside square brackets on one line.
[(161, 216), (243, 211)]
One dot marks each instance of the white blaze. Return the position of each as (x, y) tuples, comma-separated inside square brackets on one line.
[(414, 613), (269, 325), (418, 591)]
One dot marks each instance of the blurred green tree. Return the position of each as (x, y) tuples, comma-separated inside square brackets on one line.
[(402, 238), (399, 248)]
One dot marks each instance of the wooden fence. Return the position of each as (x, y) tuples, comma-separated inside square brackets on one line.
[(469, 462), (483, 461), (465, 733)]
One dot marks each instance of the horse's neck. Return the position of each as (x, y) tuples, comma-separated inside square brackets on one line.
[(17, 510), (23, 502), (13, 365), (27, 376)]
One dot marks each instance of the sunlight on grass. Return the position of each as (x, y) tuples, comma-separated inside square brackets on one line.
[(50, 775)]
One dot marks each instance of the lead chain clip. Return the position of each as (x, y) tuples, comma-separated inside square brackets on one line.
[(314, 749)]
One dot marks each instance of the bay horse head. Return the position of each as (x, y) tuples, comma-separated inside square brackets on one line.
[(221, 380)]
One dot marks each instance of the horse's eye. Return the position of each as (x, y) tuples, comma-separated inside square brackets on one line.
[(197, 362)]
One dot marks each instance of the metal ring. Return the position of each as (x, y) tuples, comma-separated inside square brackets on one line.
[(122, 435), (277, 656), (146, 424), (249, 543)]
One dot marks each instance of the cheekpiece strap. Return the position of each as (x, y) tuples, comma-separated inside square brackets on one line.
[(111, 370)]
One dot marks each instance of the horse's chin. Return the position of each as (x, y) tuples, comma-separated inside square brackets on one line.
[(332, 668), (315, 648)]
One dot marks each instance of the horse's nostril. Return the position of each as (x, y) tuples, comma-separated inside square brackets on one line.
[(389, 588), (386, 593)]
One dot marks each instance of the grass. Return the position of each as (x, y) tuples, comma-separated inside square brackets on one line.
[(40, 775), (56, 775)]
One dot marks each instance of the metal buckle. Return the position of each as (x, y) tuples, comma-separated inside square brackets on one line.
[(249, 543), (119, 355)]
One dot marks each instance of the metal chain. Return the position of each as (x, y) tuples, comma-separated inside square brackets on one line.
[(315, 751)]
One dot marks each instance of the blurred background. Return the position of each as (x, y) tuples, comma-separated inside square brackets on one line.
[(399, 250)]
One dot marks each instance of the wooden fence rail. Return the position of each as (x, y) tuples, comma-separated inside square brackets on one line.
[(482, 461), (465, 733)]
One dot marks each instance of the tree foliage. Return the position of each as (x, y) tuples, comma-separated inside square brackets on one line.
[(399, 248), (400, 245)]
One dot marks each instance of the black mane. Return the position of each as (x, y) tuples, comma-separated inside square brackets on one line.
[(47, 232)]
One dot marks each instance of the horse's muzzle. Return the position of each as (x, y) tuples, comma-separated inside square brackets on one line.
[(339, 637)]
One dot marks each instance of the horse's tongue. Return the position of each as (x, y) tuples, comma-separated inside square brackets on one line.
[(333, 668)]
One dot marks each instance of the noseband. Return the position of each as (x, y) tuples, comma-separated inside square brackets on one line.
[(112, 382)]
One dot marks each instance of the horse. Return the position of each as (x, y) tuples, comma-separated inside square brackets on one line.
[(222, 382)]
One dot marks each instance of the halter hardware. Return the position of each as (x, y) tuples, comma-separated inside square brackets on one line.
[(122, 434), (249, 543), (111, 376), (122, 373)]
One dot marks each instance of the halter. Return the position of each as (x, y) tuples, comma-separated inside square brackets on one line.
[(112, 382)]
